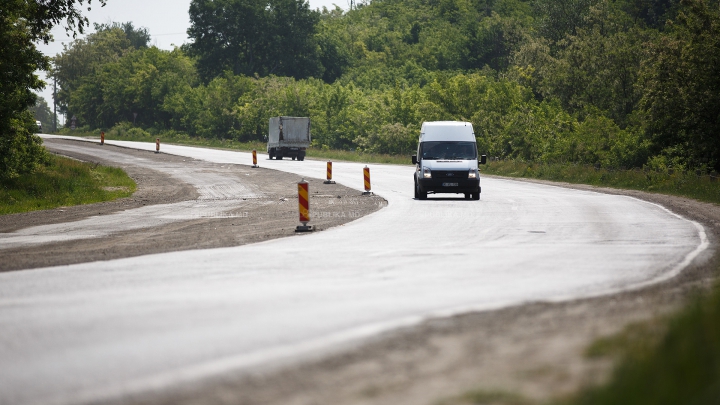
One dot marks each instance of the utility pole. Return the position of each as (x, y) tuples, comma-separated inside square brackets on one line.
[(55, 105), (352, 2)]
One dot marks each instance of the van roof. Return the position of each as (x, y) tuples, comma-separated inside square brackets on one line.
[(447, 131)]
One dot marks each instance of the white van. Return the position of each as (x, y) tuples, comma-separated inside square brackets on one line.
[(447, 160)]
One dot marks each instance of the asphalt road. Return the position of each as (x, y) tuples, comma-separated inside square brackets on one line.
[(105, 329)]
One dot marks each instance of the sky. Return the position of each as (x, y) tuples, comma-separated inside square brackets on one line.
[(166, 20)]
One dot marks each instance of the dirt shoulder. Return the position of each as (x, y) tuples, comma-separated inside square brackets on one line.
[(274, 214), (527, 354)]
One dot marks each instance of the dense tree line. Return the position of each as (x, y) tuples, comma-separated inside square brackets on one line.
[(606, 82), (23, 24)]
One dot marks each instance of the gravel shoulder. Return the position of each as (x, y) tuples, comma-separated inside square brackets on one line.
[(272, 215), (534, 351)]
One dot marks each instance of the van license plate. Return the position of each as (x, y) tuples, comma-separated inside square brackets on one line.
[(450, 184)]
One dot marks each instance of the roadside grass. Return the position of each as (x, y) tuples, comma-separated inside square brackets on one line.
[(678, 366), (703, 188), (485, 397), (63, 182), (635, 338)]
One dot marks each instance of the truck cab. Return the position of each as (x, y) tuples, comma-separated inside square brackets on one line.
[(447, 160)]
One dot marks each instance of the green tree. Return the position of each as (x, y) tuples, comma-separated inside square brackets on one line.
[(681, 88), (254, 37), (22, 24), (134, 89), (654, 13), (557, 18), (41, 111), (331, 38), (594, 69), (138, 37), (208, 111), (84, 58), (492, 41), (271, 97)]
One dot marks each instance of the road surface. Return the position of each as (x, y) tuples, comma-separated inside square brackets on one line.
[(105, 329)]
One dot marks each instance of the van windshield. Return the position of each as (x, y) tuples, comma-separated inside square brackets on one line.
[(448, 151)]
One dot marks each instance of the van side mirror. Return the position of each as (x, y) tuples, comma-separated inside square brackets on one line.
[(483, 159), (414, 159)]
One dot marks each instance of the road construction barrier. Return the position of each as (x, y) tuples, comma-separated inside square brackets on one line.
[(157, 145), (254, 154), (366, 175), (102, 138), (329, 174), (304, 206)]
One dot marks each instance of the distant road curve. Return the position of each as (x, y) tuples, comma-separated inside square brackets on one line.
[(85, 332)]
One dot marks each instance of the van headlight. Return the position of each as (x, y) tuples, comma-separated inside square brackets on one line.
[(427, 173), (472, 174)]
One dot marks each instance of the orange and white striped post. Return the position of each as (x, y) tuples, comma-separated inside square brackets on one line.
[(366, 175), (157, 145), (102, 137), (254, 154), (329, 174), (304, 206)]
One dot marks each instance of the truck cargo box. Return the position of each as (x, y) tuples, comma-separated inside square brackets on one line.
[(288, 136)]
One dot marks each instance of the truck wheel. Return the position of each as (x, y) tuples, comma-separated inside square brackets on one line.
[(293, 157), (278, 157), (271, 153), (301, 156), (467, 195), (476, 196)]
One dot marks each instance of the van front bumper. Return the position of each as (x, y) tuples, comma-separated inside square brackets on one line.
[(449, 185)]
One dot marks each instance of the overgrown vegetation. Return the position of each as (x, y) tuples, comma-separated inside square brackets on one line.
[(483, 397), (22, 25), (615, 83), (63, 182), (677, 366), (694, 185)]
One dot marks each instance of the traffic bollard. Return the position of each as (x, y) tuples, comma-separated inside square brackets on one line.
[(366, 175), (329, 174), (304, 207)]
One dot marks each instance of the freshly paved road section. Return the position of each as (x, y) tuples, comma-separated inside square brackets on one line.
[(98, 330)]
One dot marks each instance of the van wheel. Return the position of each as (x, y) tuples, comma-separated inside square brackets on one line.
[(417, 194), (422, 195)]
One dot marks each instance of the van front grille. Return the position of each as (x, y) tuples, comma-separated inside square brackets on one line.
[(450, 174)]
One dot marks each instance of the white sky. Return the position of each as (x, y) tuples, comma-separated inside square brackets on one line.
[(166, 20)]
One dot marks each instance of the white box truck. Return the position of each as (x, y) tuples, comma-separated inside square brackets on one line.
[(288, 136), (447, 160)]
